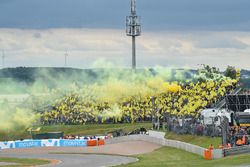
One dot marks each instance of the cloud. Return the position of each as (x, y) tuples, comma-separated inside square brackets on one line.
[(37, 35), (212, 15), (46, 47), (220, 42)]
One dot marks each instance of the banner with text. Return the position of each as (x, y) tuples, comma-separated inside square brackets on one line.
[(42, 143)]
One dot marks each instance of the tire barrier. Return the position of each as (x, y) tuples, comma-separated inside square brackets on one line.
[(50, 143)]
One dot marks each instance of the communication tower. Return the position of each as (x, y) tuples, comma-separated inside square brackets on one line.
[(133, 29)]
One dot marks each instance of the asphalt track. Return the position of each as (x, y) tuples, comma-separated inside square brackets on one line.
[(107, 155), (70, 160)]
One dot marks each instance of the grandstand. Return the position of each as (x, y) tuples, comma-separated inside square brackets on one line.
[(222, 103), (238, 102)]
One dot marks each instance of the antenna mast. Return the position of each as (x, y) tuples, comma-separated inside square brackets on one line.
[(133, 29), (3, 58), (65, 58)]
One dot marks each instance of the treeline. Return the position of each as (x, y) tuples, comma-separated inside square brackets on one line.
[(26, 79), (245, 78), (31, 74), (13, 78)]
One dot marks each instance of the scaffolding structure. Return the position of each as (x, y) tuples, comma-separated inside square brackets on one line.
[(238, 102)]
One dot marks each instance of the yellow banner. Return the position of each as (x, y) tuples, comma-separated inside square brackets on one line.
[(244, 124)]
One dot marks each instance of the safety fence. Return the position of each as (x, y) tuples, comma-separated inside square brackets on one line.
[(237, 150), (50, 143)]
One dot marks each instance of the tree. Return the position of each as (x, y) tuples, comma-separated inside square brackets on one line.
[(231, 72)]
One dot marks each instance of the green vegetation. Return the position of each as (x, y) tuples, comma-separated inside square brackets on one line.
[(171, 157), (232, 72), (91, 129), (203, 141), (24, 162)]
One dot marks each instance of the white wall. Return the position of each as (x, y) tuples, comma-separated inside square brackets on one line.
[(217, 153)]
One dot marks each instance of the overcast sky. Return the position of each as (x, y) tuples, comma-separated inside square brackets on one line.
[(176, 33)]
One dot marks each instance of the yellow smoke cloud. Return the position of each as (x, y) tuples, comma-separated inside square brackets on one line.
[(15, 118)]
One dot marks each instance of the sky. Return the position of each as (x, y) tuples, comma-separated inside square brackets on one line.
[(175, 33)]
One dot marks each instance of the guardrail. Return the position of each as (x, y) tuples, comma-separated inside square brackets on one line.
[(237, 150), (217, 153), (50, 143)]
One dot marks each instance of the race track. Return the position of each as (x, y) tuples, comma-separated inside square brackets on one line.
[(85, 156)]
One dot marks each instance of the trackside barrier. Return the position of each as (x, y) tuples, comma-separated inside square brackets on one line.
[(92, 142), (160, 135), (217, 153), (28, 144), (101, 142), (237, 150), (208, 154), (50, 143), (72, 143), (96, 142), (43, 143), (7, 145)]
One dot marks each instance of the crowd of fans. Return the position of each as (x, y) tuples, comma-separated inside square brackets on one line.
[(239, 136), (192, 127), (178, 99), (247, 92)]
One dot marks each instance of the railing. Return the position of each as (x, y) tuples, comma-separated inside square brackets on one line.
[(237, 150)]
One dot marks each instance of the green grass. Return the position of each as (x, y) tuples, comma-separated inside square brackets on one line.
[(172, 157), (23, 162), (202, 141), (93, 129)]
